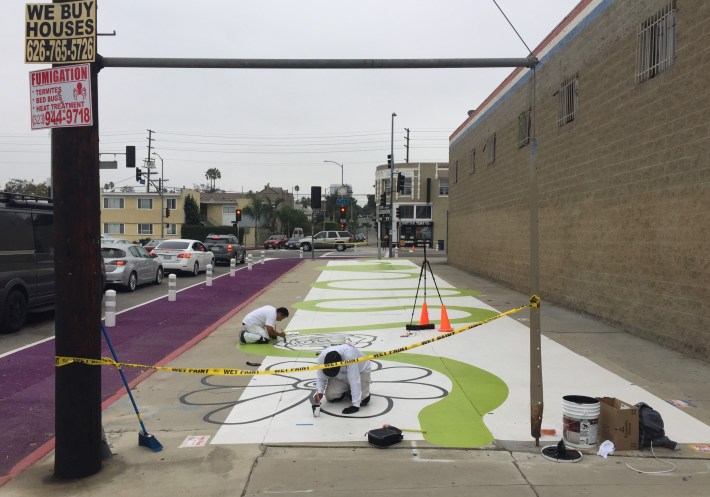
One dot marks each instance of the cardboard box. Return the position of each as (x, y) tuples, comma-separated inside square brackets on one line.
[(618, 422)]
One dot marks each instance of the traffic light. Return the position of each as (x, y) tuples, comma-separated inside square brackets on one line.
[(342, 226), (390, 162), (383, 200), (139, 174), (238, 215), (130, 156), (400, 183), (315, 197), (167, 212), (342, 215), (397, 211)]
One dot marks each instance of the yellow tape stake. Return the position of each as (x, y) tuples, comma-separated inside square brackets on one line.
[(106, 361)]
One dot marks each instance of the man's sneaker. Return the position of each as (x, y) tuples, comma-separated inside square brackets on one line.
[(365, 401)]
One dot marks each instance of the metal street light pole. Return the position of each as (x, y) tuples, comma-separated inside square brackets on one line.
[(162, 200), (342, 182), (341, 170), (391, 237)]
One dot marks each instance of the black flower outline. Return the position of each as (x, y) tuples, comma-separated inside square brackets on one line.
[(303, 389)]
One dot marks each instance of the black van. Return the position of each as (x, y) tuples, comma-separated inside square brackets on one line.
[(26, 258)]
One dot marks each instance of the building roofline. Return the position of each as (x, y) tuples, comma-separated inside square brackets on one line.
[(543, 47)]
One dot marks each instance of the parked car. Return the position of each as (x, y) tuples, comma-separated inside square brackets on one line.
[(339, 240), (275, 242), (360, 237), (190, 256), (153, 243), (26, 258), (130, 266), (293, 243), (225, 248), (115, 241)]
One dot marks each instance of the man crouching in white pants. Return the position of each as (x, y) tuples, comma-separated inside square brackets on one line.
[(336, 382), (260, 324)]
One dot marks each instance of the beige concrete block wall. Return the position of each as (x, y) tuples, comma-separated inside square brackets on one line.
[(624, 189)]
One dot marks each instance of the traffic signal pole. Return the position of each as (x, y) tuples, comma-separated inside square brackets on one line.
[(391, 237)]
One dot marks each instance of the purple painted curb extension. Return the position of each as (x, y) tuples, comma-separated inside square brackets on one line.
[(143, 335)]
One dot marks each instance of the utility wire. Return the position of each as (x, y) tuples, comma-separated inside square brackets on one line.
[(511, 25)]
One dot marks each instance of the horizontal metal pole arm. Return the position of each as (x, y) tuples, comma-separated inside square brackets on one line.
[(152, 62)]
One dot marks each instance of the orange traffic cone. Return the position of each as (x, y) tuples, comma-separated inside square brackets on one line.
[(424, 318), (444, 326)]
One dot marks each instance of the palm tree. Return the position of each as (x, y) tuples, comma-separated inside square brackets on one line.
[(213, 174)]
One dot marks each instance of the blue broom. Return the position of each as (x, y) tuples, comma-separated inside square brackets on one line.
[(145, 439)]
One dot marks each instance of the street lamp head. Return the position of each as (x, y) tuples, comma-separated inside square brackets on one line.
[(394, 114)]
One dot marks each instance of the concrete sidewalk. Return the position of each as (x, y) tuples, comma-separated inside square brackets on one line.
[(409, 468)]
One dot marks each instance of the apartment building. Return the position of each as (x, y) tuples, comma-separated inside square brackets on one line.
[(139, 215), (421, 209)]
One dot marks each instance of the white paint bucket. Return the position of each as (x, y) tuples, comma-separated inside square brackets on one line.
[(580, 419)]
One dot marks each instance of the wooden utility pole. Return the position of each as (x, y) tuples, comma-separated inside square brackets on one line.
[(77, 259)]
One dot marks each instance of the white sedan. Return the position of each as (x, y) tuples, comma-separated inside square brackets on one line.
[(190, 256)]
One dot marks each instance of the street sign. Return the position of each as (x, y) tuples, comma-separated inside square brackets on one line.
[(60, 33), (341, 201), (60, 97)]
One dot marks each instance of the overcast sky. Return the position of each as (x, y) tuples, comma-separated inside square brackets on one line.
[(276, 126)]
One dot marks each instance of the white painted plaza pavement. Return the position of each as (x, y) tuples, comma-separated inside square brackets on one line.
[(371, 300)]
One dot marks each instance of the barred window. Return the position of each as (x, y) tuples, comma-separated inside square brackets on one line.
[(423, 211), (472, 161), (145, 203), (407, 186), (113, 202), (406, 212), (656, 44), (171, 229), (145, 229), (113, 229), (524, 128), (567, 104), (443, 187), (490, 149), (171, 203)]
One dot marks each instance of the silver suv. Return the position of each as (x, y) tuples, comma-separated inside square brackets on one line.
[(339, 240)]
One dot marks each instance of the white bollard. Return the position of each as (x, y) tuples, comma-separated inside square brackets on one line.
[(172, 285), (232, 265), (300, 256), (262, 256), (208, 274), (110, 314), (396, 251), (249, 261)]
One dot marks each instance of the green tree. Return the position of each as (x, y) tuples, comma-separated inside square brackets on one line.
[(27, 187), (192, 211), (213, 174), (290, 218), (258, 209)]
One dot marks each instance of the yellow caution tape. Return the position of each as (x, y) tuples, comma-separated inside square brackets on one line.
[(535, 302), (107, 361)]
